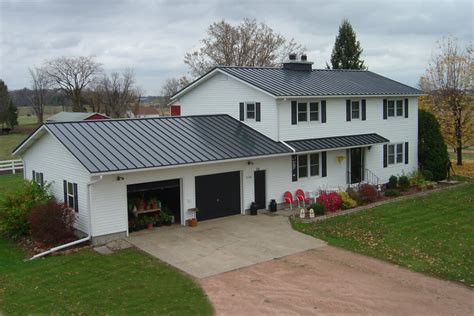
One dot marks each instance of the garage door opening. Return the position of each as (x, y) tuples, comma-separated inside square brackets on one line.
[(156, 203), (218, 195)]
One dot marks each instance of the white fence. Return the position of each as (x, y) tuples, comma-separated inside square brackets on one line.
[(11, 165)]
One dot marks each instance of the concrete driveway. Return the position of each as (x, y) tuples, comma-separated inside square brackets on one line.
[(225, 244)]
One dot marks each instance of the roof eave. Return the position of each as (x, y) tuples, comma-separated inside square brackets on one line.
[(349, 96)]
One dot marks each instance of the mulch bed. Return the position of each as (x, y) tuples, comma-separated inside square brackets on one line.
[(33, 247)]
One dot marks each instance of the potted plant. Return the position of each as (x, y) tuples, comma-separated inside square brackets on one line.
[(193, 221), (149, 221), (153, 203), (165, 217), (141, 204)]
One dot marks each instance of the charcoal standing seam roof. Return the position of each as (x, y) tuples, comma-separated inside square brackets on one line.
[(125, 144), (319, 82), (336, 142)]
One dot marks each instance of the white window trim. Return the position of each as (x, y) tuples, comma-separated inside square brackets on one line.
[(395, 153), (308, 112), (395, 116), (308, 166), (254, 111), (70, 194)]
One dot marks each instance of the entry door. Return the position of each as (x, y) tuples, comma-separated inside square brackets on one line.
[(218, 195), (357, 165), (259, 187)]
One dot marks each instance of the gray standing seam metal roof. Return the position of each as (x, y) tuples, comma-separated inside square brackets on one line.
[(70, 116), (125, 144), (336, 142), (319, 82)]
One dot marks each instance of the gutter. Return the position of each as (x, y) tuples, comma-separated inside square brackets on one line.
[(75, 242)]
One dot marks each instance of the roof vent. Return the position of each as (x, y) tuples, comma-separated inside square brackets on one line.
[(293, 64)]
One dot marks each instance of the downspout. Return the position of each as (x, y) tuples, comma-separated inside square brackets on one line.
[(87, 238), (292, 149)]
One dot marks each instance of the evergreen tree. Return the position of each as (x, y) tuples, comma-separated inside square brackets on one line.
[(12, 115), (432, 151), (4, 102), (346, 52)]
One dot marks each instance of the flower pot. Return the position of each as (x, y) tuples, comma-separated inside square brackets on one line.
[(149, 226), (192, 222)]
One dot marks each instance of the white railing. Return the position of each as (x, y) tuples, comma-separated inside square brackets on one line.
[(11, 165)]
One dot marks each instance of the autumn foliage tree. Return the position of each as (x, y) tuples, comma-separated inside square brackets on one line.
[(247, 44), (448, 81)]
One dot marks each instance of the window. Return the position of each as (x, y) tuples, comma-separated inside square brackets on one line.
[(38, 177), (395, 108), (304, 108), (355, 109), (70, 196), (251, 111), (305, 169), (395, 154)]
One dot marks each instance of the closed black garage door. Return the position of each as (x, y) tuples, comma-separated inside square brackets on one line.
[(218, 195)]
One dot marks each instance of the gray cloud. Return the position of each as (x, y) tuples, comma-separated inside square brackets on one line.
[(152, 37)]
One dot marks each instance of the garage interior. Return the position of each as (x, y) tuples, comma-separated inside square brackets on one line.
[(157, 203)]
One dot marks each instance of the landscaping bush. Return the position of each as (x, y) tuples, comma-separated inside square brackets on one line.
[(404, 183), (318, 208), (347, 201), (428, 175), (332, 201), (392, 182), (416, 177), (432, 151), (392, 192), (52, 223), (368, 193), (16, 206)]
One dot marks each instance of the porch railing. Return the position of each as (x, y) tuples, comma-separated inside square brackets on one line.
[(367, 177), (11, 165)]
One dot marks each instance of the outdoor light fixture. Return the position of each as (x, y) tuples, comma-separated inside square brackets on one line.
[(119, 178), (250, 163)]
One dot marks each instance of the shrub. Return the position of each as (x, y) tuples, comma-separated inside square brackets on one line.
[(368, 193), (51, 223), (428, 175), (432, 151), (318, 208), (332, 201), (16, 206), (416, 177), (354, 194), (392, 182), (347, 201), (392, 192), (404, 183)]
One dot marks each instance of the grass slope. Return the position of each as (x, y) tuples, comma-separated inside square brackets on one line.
[(432, 234), (126, 282)]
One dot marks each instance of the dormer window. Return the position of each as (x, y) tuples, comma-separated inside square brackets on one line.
[(308, 111)]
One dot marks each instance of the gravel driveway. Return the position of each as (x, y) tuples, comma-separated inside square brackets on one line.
[(331, 280)]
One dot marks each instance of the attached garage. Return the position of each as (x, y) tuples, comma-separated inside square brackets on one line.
[(218, 195)]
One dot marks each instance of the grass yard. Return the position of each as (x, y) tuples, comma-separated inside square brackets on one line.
[(8, 143), (126, 282), (433, 234)]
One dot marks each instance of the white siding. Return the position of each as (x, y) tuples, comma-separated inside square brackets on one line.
[(56, 163), (222, 94)]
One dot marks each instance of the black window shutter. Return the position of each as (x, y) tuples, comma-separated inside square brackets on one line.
[(41, 179), (34, 175), (348, 110), (294, 168), (384, 109), (406, 108), (364, 110), (406, 153), (65, 191), (242, 111), (257, 111), (385, 156), (324, 169), (293, 112), (76, 198), (323, 111)]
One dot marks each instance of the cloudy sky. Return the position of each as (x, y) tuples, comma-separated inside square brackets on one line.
[(151, 37)]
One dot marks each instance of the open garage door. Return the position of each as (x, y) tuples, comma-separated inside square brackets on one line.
[(218, 195)]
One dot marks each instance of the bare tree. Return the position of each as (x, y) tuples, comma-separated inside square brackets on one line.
[(94, 95), (247, 44), (119, 93), (72, 75), (40, 84), (173, 85), (449, 81)]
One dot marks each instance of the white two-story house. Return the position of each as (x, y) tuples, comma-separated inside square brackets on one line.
[(244, 135)]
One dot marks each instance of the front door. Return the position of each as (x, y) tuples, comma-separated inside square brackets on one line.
[(357, 165), (259, 187)]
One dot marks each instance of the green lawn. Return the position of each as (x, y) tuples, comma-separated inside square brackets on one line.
[(8, 143), (126, 282), (432, 234)]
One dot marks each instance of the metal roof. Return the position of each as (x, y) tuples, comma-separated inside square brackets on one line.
[(336, 142), (319, 82), (126, 144), (70, 116)]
